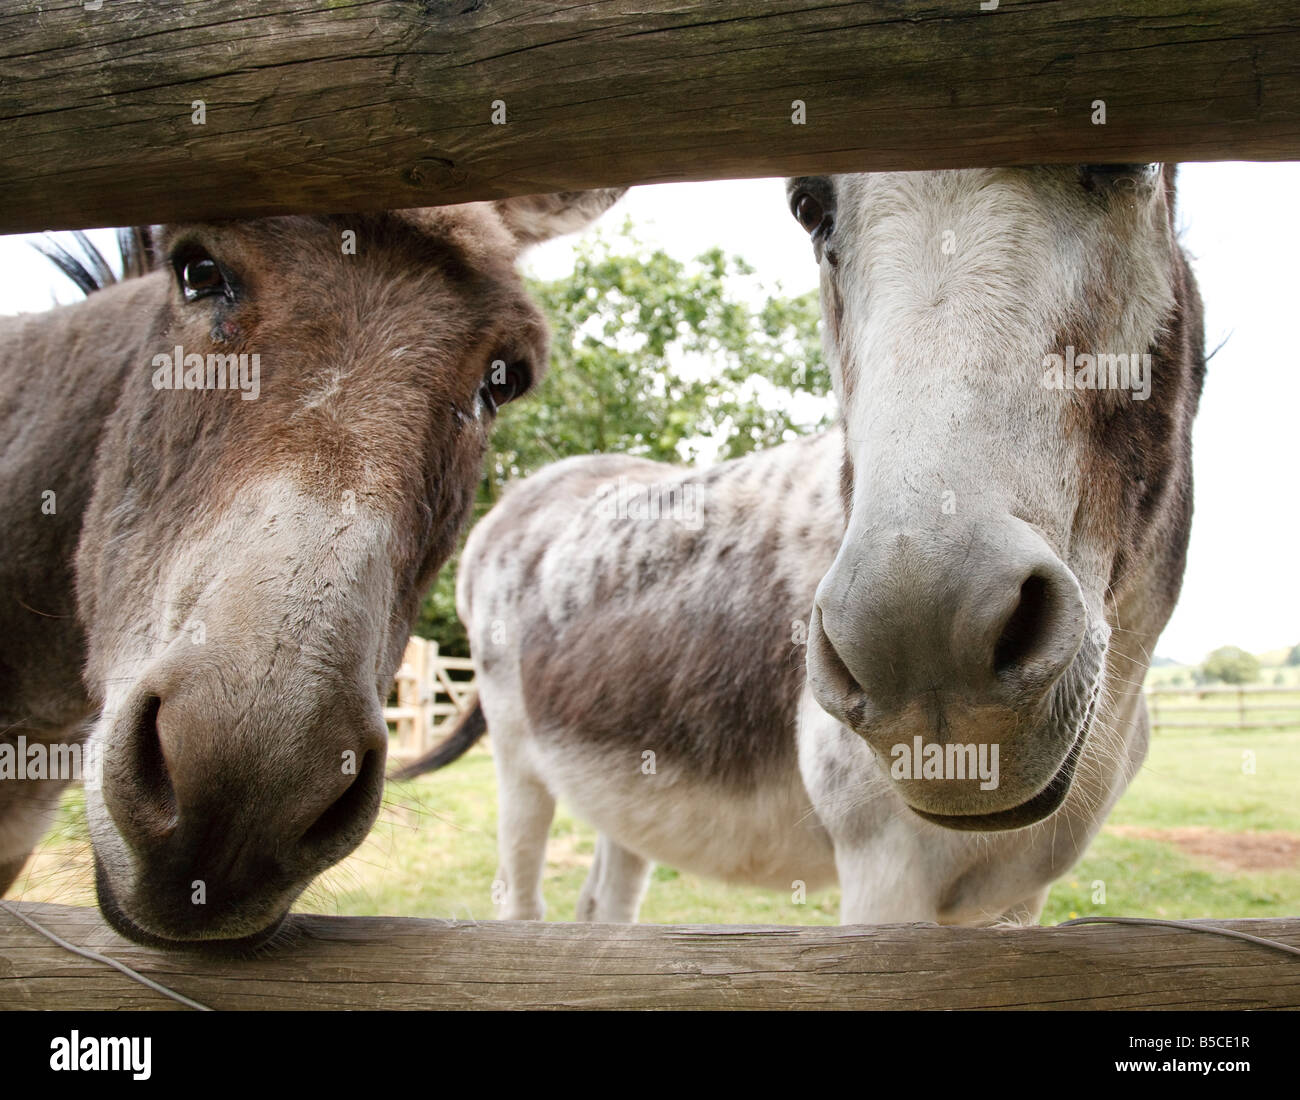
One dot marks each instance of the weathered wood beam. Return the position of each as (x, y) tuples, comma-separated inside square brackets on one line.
[(369, 104), (387, 963)]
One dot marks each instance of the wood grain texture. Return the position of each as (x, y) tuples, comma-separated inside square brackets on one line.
[(368, 104), (397, 963)]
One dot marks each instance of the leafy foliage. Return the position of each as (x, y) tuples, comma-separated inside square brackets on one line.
[(1230, 665), (657, 358)]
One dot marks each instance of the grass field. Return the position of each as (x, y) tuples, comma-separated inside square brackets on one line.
[(1197, 835)]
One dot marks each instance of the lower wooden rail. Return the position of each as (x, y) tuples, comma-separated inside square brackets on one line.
[(388, 962)]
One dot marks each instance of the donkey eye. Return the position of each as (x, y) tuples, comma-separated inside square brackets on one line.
[(1093, 176), (809, 212), (200, 275), (503, 383)]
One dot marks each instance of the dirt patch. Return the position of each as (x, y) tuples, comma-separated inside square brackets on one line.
[(1230, 851)]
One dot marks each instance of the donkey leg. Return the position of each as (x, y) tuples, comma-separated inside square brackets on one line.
[(885, 882), (865, 902), (882, 867), (615, 885), (622, 885), (586, 909), (525, 810)]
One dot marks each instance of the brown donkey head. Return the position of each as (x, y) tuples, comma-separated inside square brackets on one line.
[(294, 447)]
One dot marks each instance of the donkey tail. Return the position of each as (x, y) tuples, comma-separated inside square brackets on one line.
[(470, 726)]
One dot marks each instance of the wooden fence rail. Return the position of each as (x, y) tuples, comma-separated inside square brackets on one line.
[(1240, 709), (140, 111), (386, 963)]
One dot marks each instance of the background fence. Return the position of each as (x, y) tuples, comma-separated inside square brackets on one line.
[(430, 690), (1225, 707)]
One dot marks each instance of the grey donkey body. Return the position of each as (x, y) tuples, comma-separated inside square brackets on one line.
[(638, 632)]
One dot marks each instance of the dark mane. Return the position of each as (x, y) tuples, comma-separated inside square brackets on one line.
[(87, 267)]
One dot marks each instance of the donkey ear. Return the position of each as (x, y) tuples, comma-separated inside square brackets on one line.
[(536, 218)]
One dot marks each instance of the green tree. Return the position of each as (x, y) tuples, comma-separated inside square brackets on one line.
[(658, 358), (1231, 665), (1293, 658)]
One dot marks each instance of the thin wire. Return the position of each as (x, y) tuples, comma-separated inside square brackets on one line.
[(95, 956), (1190, 926)]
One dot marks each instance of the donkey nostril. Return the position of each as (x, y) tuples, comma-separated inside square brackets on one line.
[(351, 811), (1024, 628), (155, 810)]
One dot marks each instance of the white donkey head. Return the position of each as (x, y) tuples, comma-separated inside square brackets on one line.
[(1017, 355)]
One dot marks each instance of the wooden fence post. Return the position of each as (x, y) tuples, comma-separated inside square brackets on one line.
[(413, 714)]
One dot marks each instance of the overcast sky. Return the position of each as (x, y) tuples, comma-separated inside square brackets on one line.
[(1240, 586)]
